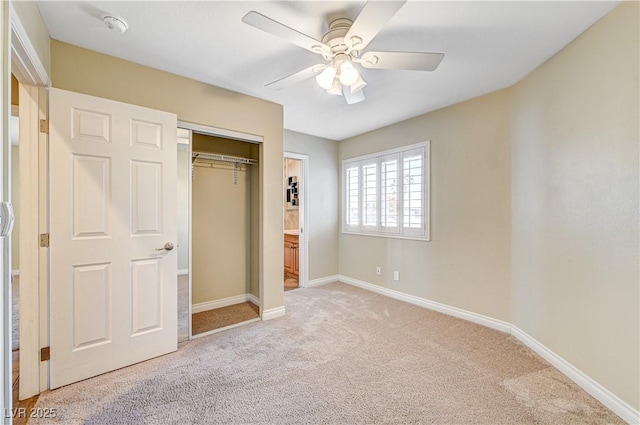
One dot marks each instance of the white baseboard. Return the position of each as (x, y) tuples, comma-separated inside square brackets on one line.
[(600, 393), (224, 302), (604, 396), (323, 280), (182, 272), (253, 299), (273, 313), (431, 305)]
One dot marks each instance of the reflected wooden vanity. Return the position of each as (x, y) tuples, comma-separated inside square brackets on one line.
[(291, 260)]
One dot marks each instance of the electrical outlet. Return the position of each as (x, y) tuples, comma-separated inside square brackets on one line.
[(378, 271), (396, 275)]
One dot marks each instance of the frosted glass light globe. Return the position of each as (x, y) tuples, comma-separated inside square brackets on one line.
[(348, 73), (326, 77)]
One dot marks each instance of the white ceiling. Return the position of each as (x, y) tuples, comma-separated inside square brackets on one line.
[(487, 46)]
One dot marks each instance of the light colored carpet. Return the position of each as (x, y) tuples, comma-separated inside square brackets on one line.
[(225, 316), (341, 355), (15, 313)]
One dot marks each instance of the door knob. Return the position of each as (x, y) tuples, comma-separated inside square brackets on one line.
[(167, 247)]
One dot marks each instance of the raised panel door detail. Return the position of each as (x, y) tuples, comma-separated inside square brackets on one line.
[(146, 296), (91, 196), (90, 126), (103, 189), (146, 134), (92, 313), (146, 198)]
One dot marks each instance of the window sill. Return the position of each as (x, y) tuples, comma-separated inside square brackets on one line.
[(388, 236)]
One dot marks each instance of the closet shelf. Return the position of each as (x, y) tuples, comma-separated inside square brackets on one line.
[(207, 157)]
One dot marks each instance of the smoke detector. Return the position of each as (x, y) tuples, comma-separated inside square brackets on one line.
[(115, 23)]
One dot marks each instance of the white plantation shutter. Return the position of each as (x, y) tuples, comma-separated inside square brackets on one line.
[(386, 194), (390, 193), (369, 195), (352, 198), (413, 208)]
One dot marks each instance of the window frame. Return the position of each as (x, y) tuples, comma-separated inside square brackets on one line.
[(400, 231)]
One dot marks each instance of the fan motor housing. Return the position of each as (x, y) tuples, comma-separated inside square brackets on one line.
[(334, 38)]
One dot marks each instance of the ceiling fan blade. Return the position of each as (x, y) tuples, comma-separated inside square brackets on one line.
[(352, 98), (266, 24), (295, 78), (373, 16), (415, 61)]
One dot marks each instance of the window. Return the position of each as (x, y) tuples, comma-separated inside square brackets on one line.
[(386, 193)]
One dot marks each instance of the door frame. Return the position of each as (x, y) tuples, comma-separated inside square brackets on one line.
[(5, 243), (34, 79), (227, 134), (303, 218)]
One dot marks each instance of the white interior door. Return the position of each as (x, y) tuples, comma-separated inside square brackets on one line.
[(112, 210)]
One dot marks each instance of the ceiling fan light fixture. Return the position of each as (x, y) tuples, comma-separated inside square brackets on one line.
[(348, 73), (326, 77), (336, 88), (358, 85), (356, 42)]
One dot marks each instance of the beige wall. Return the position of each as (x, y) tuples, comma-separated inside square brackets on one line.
[(221, 145), (224, 146), (220, 212), (322, 192), (575, 138), (84, 71), (535, 204), (467, 262), (29, 15)]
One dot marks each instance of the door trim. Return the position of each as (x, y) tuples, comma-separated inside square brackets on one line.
[(303, 238), (220, 132), (33, 266), (25, 62), (34, 78), (5, 262)]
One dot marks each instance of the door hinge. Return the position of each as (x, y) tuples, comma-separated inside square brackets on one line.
[(45, 354), (44, 126), (44, 240)]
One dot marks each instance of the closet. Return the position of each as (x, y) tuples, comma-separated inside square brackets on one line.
[(224, 237)]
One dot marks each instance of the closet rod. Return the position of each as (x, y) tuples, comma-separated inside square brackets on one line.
[(219, 157)]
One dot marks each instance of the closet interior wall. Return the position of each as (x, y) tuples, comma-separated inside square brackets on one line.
[(224, 212)]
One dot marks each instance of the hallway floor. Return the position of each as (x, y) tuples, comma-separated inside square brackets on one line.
[(290, 283)]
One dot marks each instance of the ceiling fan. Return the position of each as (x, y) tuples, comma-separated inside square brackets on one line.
[(342, 47)]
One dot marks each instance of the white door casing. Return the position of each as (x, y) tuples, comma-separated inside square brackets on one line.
[(113, 298), (303, 213)]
